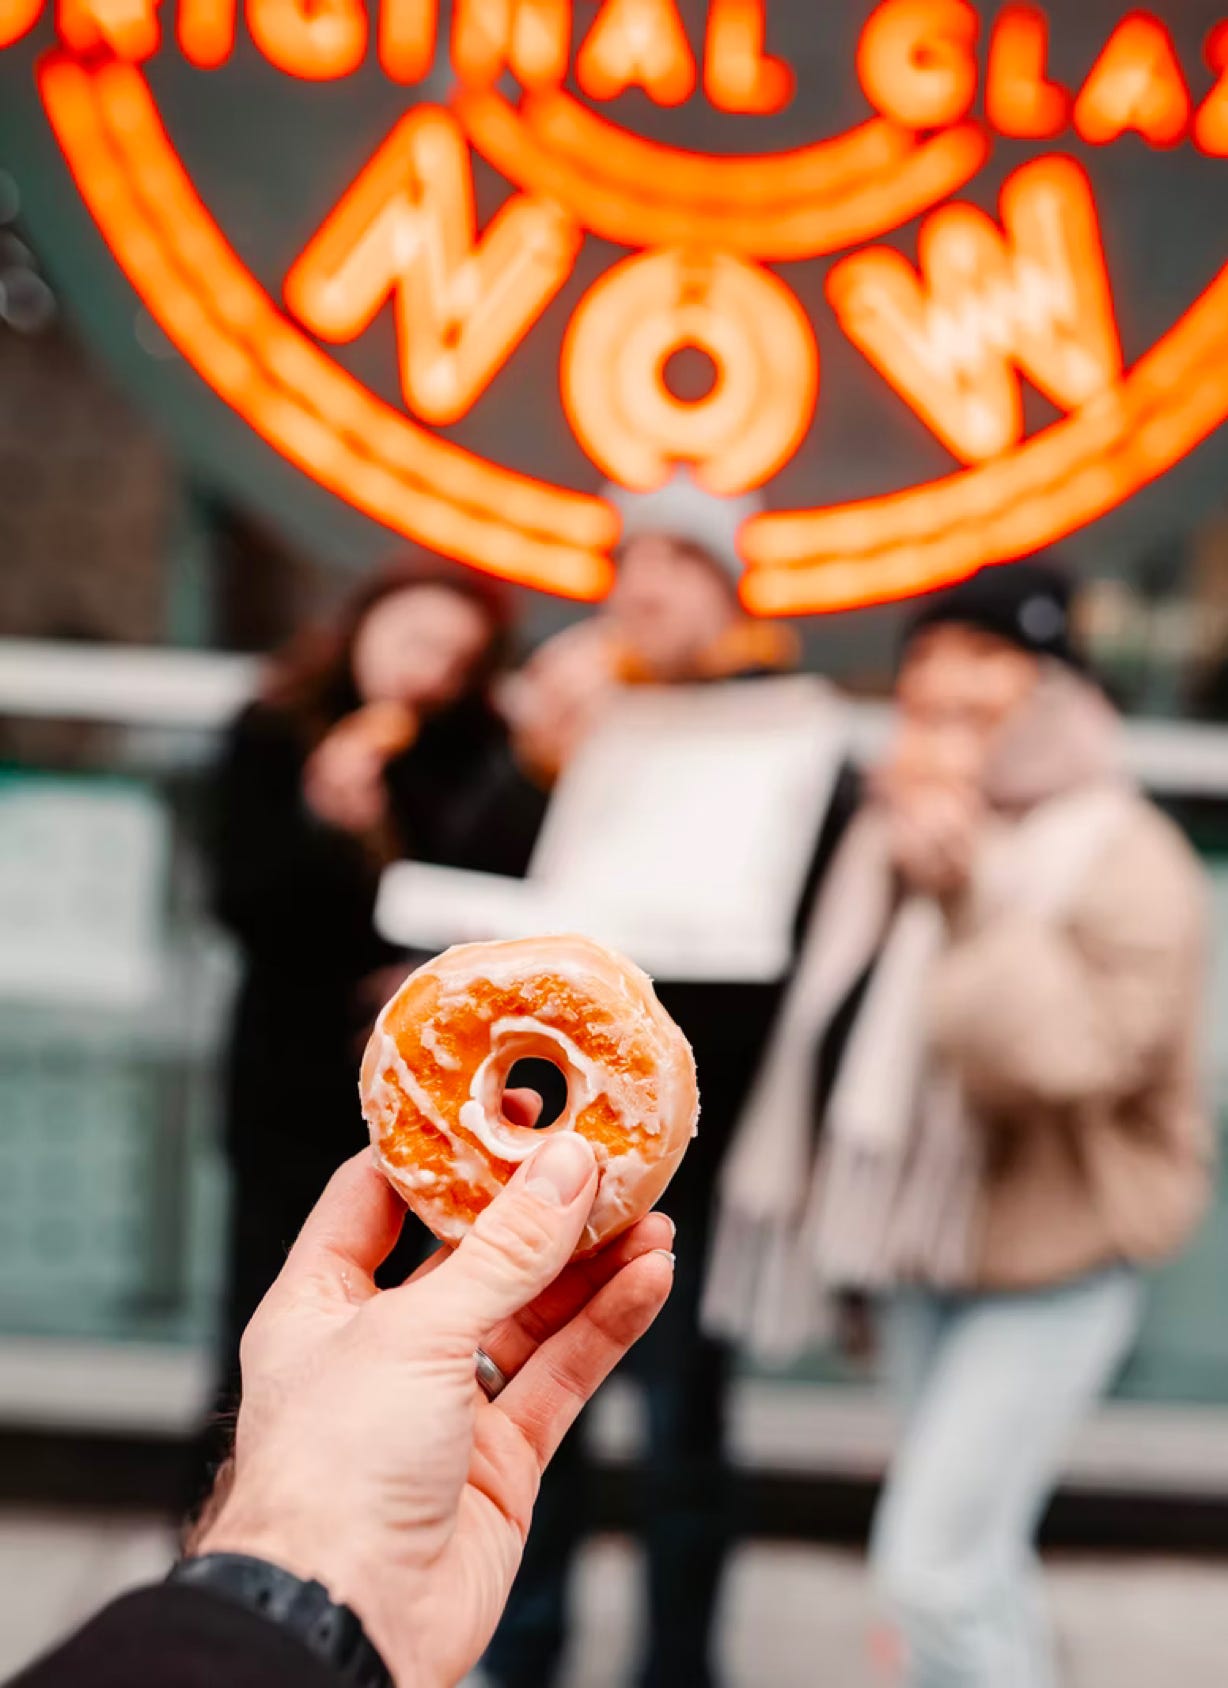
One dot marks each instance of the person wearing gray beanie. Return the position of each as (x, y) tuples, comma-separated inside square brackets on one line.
[(673, 618)]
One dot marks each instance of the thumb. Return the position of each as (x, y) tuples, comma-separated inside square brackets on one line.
[(520, 1243)]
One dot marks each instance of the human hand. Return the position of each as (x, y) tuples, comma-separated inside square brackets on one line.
[(553, 703), (343, 780), (368, 1458), (935, 827)]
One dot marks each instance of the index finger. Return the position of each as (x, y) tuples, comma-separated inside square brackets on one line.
[(353, 1228), (545, 1398), (514, 1341)]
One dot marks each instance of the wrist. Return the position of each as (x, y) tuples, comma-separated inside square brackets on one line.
[(303, 1608), (312, 1556)]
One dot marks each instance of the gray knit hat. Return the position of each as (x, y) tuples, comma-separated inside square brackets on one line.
[(683, 510)]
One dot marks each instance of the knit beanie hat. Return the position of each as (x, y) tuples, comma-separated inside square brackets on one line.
[(1025, 603), (683, 510)]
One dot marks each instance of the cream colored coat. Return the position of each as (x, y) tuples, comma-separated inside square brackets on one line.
[(1079, 1051), (1063, 995)]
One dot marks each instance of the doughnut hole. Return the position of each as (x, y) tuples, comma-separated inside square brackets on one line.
[(547, 1080)]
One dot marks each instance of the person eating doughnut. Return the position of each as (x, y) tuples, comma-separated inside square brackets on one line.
[(372, 737), (673, 618)]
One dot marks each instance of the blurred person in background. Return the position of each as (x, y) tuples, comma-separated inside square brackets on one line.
[(672, 618), (374, 738), (1017, 1124)]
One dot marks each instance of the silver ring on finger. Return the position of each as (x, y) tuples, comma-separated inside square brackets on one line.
[(491, 1378)]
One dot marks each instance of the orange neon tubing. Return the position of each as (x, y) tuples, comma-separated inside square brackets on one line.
[(738, 75), (637, 44), (1211, 123), (129, 28), (1135, 86), (206, 31), (407, 35), (835, 193), (880, 549), (916, 60), (531, 38), (17, 18), (1019, 98), (317, 40), (986, 302), (291, 393), (740, 180), (406, 229), (751, 325)]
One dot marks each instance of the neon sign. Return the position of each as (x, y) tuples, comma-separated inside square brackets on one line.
[(955, 322)]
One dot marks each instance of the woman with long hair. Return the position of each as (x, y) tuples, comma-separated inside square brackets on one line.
[(373, 738)]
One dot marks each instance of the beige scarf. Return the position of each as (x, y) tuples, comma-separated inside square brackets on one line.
[(892, 1194)]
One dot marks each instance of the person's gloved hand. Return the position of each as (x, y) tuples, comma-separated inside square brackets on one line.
[(366, 1455)]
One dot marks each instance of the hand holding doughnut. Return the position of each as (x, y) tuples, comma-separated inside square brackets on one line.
[(343, 781), (368, 1458), (438, 1061)]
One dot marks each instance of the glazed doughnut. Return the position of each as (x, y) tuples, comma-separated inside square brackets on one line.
[(437, 1063), (389, 727)]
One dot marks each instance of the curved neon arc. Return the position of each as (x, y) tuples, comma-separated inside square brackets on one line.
[(316, 415), (776, 207), (895, 546), (211, 307)]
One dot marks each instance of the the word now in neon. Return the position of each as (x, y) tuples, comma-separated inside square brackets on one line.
[(951, 337)]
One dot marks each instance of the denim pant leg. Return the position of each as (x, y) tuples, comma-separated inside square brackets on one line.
[(1008, 1378), (912, 1324)]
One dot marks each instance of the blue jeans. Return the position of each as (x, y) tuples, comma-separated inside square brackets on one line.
[(991, 1388)]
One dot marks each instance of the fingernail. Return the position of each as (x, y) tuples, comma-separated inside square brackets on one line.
[(666, 1255), (560, 1169), (673, 1229)]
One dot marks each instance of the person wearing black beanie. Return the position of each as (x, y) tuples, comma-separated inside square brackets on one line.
[(1016, 1127)]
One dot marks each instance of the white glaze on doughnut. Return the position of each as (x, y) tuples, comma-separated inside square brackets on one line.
[(387, 1101), (646, 1086), (431, 1043), (616, 1203)]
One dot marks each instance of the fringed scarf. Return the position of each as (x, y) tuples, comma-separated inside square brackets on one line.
[(891, 1194)]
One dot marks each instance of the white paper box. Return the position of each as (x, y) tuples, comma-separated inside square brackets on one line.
[(680, 834)]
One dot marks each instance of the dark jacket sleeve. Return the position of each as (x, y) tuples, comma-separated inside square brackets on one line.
[(460, 799), (172, 1637), (281, 879)]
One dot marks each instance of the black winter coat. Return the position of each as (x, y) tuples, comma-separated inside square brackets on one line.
[(173, 1637), (299, 896)]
